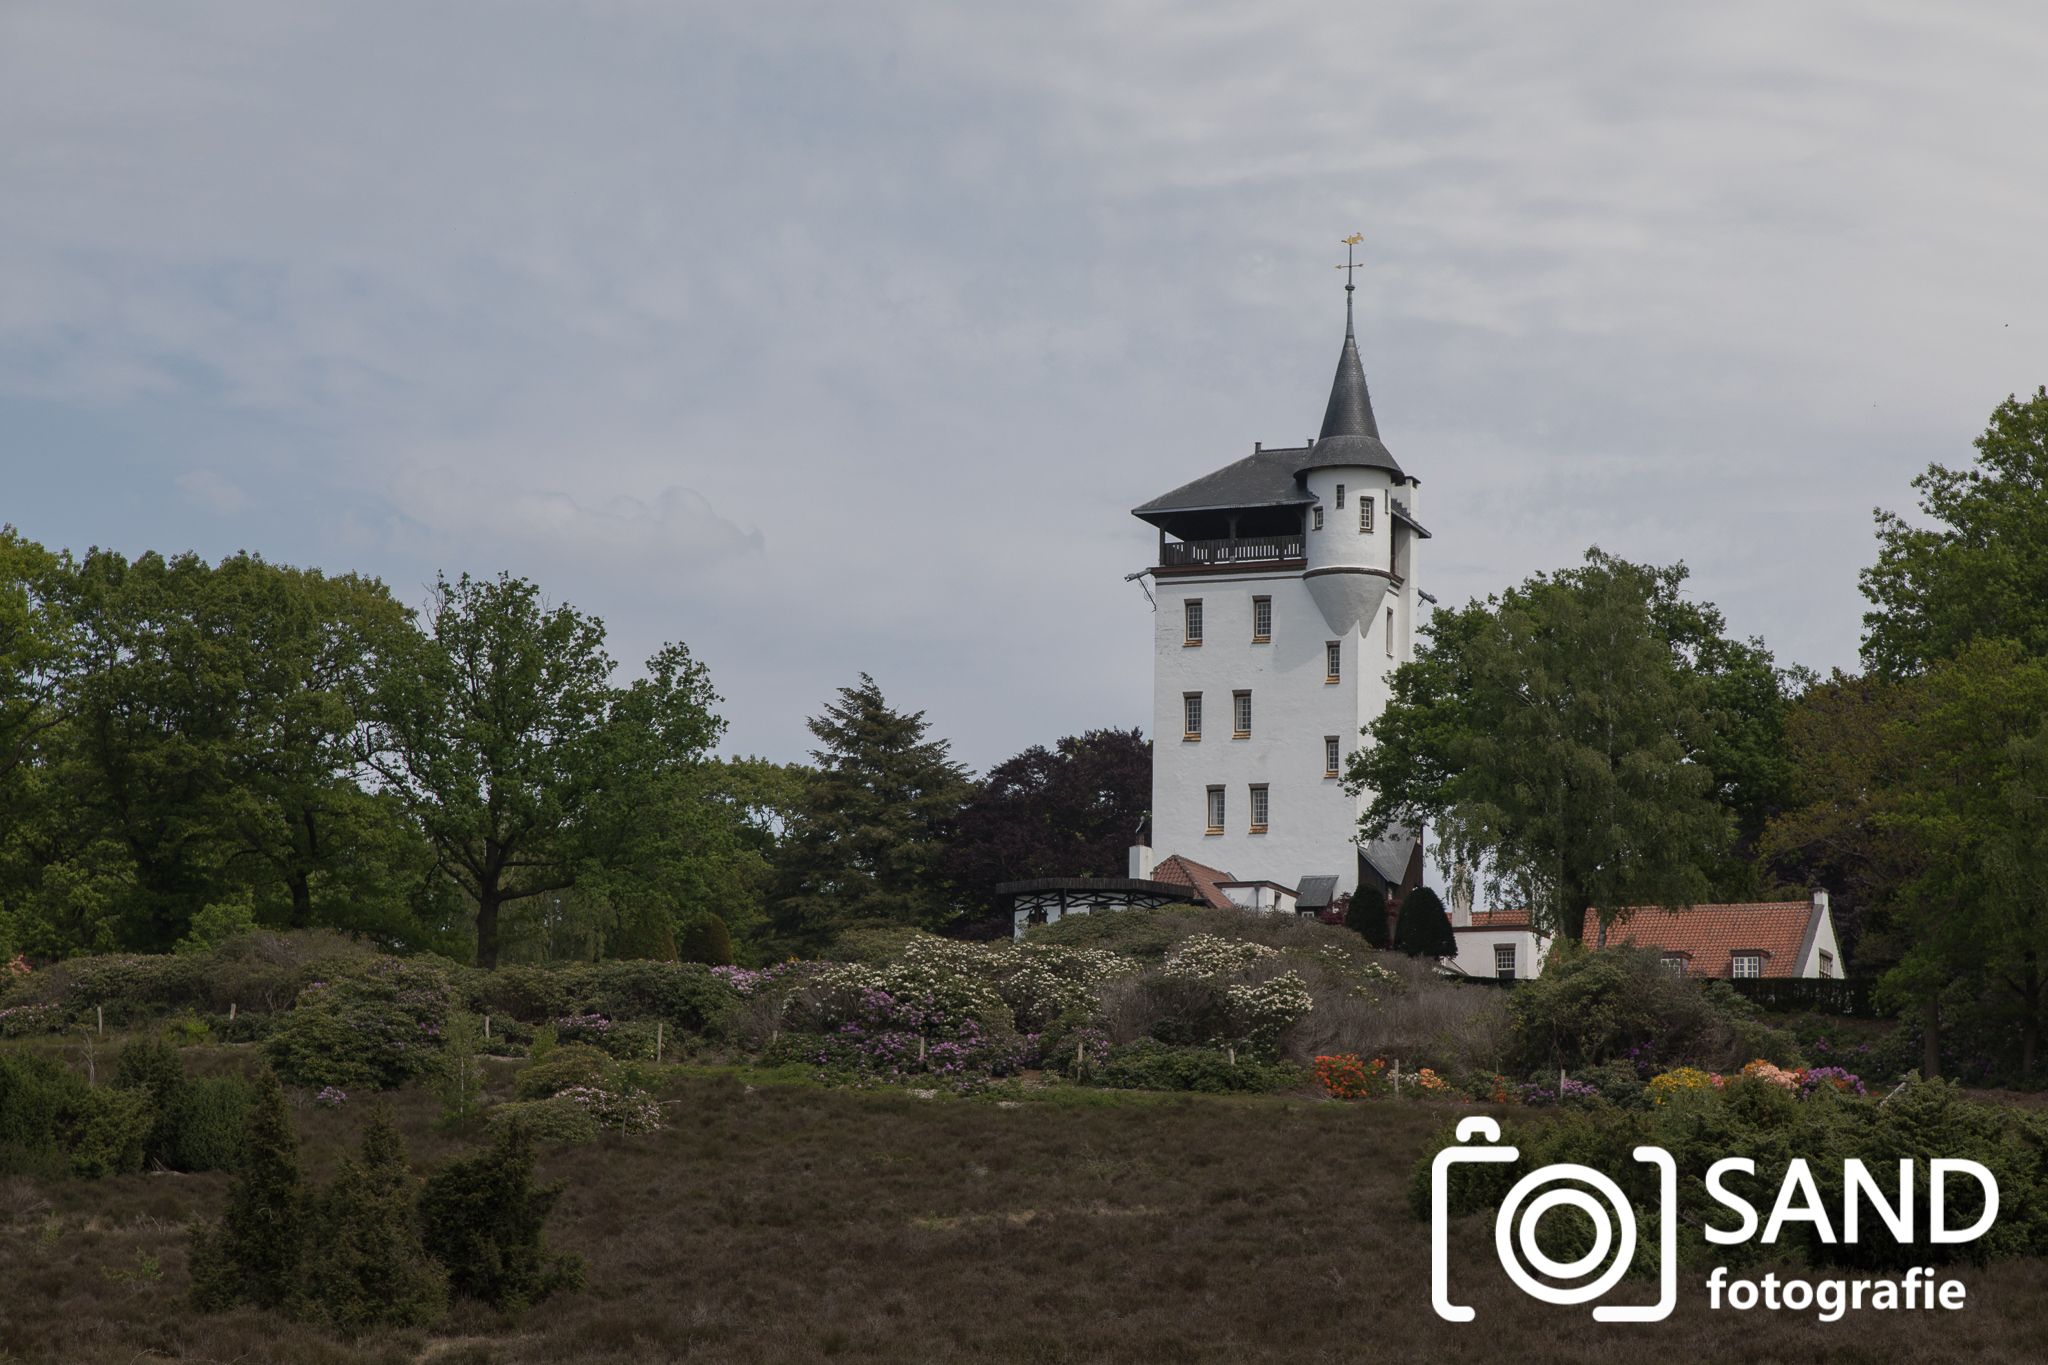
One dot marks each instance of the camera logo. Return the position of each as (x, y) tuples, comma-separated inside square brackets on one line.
[(1563, 1185)]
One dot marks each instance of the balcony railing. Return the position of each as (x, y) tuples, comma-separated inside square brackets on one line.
[(1208, 554)]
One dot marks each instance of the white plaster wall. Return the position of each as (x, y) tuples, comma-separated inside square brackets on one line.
[(1824, 941), (1475, 951)]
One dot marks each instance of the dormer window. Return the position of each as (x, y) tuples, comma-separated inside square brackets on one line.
[(1746, 966)]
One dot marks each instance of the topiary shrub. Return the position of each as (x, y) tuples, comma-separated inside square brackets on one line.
[(707, 940), (374, 1028), (565, 1066), (482, 1217), (368, 1266), (1423, 929), (1366, 916)]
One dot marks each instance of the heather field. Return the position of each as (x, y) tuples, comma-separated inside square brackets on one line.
[(771, 1220)]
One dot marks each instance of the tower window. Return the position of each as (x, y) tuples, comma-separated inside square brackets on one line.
[(1216, 811), (1333, 660), (1191, 617), (1316, 519), (1191, 715), (1260, 810), (1241, 715), (1390, 632), (1331, 754), (1262, 620), (1340, 495), (1365, 506)]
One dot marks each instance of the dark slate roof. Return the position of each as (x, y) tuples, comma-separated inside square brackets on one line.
[(1401, 515), (1264, 478), (1388, 852), (1350, 434), (1315, 893), (1269, 478)]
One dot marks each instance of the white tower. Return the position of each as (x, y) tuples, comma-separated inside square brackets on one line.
[(1286, 596)]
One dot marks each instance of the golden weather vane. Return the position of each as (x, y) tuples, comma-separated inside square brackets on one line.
[(1350, 244)]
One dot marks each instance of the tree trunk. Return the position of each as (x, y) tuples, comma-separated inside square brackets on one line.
[(487, 927), (1930, 1042), (302, 900)]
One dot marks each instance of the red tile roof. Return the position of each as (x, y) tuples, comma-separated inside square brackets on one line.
[(1710, 935), (1203, 881), (1498, 919)]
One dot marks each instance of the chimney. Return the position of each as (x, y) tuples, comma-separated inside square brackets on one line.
[(1820, 899), (1461, 898), (1141, 862)]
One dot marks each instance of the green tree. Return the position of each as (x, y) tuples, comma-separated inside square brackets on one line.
[(1980, 569), (256, 1253), (1422, 929), (1366, 916), (368, 1266), (482, 1219), (514, 752), (1554, 738), (1971, 803), (866, 842)]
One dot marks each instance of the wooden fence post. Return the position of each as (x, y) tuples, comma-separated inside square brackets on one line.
[(658, 1040), (100, 1012), (487, 1028)]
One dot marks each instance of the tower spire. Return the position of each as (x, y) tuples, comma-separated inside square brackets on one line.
[(1350, 410)]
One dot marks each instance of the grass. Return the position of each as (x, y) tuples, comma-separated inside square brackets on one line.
[(773, 1221)]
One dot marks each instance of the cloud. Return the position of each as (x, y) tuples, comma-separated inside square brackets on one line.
[(210, 490)]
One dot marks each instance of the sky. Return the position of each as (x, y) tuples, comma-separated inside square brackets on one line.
[(833, 338)]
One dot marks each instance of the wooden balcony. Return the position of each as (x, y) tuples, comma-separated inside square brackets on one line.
[(1217, 556)]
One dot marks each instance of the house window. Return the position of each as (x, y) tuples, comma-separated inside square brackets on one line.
[(1333, 660), (1262, 620), (1747, 966), (1827, 963), (1675, 965), (1331, 755), (1340, 495), (1259, 810), (1241, 715), (1504, 961), (1390, 632), (1316, 520), (1365, 506), (1215, 810), (1191, 715), (1191, 617)]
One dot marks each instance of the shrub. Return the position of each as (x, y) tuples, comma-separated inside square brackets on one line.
[(566, 1066), (376, 1028), (482, 1217), (1151, 1065), (153, 1065), (707, 940), (1684, 1080), (1346, 1077), (112, 1132), (209, 1122), (1594, 1007), (625, 1110), (551, 1122), (256, 1253), (368, 1266), (1262, 1014), (38, 1096)]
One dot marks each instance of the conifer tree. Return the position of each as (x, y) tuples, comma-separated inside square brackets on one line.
[(368, 1266), (481, 1218), (865, 845), (256, 1253)]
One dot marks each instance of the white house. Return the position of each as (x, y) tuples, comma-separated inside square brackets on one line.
[(1285, 595), (1498, 943)]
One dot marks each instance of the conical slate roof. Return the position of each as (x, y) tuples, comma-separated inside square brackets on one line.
[(1350, 434)]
